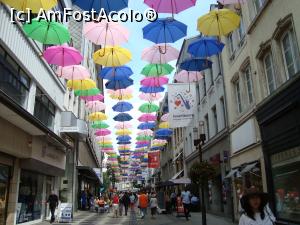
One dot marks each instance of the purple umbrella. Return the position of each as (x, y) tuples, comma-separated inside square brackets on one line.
[(170, 6)]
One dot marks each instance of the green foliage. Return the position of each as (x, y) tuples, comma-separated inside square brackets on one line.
[(202, 172)]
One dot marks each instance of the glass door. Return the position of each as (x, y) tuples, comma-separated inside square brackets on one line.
[(4, 171)]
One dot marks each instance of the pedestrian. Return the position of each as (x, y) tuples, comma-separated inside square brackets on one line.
[(83, 199), (126, 202), (133, 200), (186, 200), (143, 204), (168, 202), (115, 204), (53, 203), (173, 200), (256, 210), (121, 205), (153, 205)]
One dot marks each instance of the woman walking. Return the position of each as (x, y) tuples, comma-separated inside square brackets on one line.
[(256, 210), (115, 204), (153, 205)]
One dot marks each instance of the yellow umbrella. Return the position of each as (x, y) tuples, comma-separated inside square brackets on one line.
[(112, 56), (120, 96), (81, 84), (97, 116), (34, 5), (218, 22), (164, 125), (123, 132), (105, 142)]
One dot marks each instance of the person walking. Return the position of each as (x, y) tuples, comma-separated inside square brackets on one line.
[(256, 210), (115, 204), (186, 200), (53, 203), (143, 204), (153, 205), (83, 200), (173, 201), (126, 202), (121, 204)]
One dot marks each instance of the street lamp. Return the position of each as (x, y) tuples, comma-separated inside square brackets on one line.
[(199, 140)]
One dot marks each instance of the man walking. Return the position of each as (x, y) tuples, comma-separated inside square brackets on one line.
[(126, 202), (53, 203), (143, 204), (186, 200)]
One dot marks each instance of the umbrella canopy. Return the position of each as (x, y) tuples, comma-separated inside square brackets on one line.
[(123, 125), (145, 132), (155, 70), (164, 132), (100, 125), (160, 53), (102, 139), (123, 132), (154, 81), (106, 33), (102, 132), (166, 30), (205, 47), (148, 108), (187, 77), (150, 97), (119, 84), (147, 117), (143, 138), (85, 84), (195, 64), (62, 55), (122, 107), (87, 98), (157, 142), (165, 117), (75, 72), (121, 94), (152, 89), (218, 22), (123, 142), (95, 106), (142, 142), (107, 5), (170, 6), (123, 117), (50, 33), (89, 93), (146, 126), (124, 138), (164, 125), (97, 116), (116, 73), (112, 56), (142, 145), (34, 5)]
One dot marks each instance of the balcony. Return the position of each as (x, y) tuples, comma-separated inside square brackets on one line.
[(73, 126)]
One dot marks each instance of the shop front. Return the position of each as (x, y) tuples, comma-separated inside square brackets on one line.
[(4, 187), (278, 117)]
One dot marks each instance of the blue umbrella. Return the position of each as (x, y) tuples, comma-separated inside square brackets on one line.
[(97, 5), (164, 132), (121, 117), (122, 107), (119, 84), (156, 148), (166, 30), (124, 142), (116, 73), (124, 138), (152, 89), (146, 126), (142, 146), (161, 137), (195, 64), (205, 47)]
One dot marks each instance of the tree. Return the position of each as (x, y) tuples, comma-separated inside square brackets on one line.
[(201, 173)]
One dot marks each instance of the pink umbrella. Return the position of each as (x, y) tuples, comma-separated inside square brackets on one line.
[(147, 117), (123, 125), (124, 146), (92, 98), (165, 117), (103, 132), (95, 106), (105, 33), (188, 77), (102, 139), (159, 141), (62, 55), (170, 6), (142, 142), (154, 81), (160, 53), (74, 72), (145, 132), (150, 97)]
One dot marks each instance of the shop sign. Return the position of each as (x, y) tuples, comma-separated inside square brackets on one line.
[(65, 213)]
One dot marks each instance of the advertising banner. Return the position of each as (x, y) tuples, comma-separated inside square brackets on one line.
[(154, 159)]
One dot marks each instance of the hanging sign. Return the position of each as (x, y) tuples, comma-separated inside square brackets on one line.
[(154, 159)]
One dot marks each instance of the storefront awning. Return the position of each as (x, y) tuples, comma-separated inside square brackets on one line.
[(177, 175), (231, 173), (88, 173), (249, 167), (174, 160), (181, 181)]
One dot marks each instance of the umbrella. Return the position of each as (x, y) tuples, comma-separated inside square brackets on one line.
[(124, 138), (105, 145), (98, 5), (97, 116), (142, 142), (147, 117), (170, 6), (123, 132), (62, 55), (95, 106), (150, 97), (50, 33), (99, 125), (164, 132), (166, 30), (146, 126), (205, 47), (112, 56), (116, 73), (102, 139), (123, 117), (123, 142), (119, 84), (148, 108), (154, 81), (195, 64), (106, 33), (155, 70), (187, 77), (218, 22), (145, 132), (142, 145), (123, 125), (81, 84), (75, 72), (165, 117), (97, 97), (122, 107), (164, 125), (152, 89), (157, 141), (157, 148), (87, 94), (143, 138), (102, 132), (34, 5), (160, 53)]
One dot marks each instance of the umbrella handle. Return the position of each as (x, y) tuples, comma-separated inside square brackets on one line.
[(163, 52)]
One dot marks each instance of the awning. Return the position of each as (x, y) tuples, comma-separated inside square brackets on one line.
[(249, 167), (174, 160), (88, 172), (231, 173), (177, 175), (181, 181)]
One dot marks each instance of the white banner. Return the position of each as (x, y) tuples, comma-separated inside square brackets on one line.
[(182, 101)]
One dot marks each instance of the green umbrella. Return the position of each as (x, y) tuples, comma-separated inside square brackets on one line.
[(105, 145), (100, 125), (148, 108), (143, 138), (89, 92), (50, 33), (153, 70)]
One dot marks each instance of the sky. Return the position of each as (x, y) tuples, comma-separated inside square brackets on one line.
[(136, 45)]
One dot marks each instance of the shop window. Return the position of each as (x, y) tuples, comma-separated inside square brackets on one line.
[(270, 72), (286, 173), (4, 179)]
